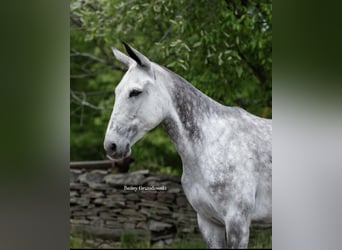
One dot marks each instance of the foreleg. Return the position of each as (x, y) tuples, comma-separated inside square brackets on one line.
[(213, 234), (237, 230)]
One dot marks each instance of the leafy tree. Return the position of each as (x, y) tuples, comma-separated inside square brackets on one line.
[(224, 48)]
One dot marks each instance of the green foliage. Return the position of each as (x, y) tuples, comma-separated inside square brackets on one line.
[(260, 238), (75, 242), (129, 239), (186, 243), (224, 48), (79, 239)]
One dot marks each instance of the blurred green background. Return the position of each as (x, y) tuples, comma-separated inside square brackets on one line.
[(224, 48)]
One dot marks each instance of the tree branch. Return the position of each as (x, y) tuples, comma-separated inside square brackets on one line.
[(90, 56), (257, 70), (83, 101)]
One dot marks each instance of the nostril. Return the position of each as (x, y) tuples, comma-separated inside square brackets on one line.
[(113, 147)]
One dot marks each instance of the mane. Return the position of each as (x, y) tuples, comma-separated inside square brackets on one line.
[(179, 81)]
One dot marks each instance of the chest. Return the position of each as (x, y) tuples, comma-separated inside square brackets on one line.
[(202, 199)]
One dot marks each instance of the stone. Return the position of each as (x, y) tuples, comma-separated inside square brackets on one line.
[(97, 223), (177, 216), (94, 179), (164, 212), (188, 230), (162, 237), (132, 205), (106, 215), (145, 211), (98, 172), (93, 194), (74, 173), (105, 246), (122, 219), (168, 241), (116, 197), (83, 212), (146, 203), (150, 180), (73, 200), (130, 179), (110, 245), (130, 212), (157, 217), (97, 210), (142, 225), (99, 201), (79, 221), (73, 194), (159, 244), (78, 187), (128, 225), (136, 218), (182, 201), (116, 210), (106, 209), (113, 203), (93, 217), (112, 190), (148, 196), (74, 208), (82, 201), (142, 172), (132, 197), (99, 186), (174, 190), (169, 220), (91, 205), (167, 177), (94, 176), (166, 197), (90, 242), (113, 224), (157, 226)]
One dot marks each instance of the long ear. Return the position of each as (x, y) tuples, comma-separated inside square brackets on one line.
[(142, 60), (122, 57)]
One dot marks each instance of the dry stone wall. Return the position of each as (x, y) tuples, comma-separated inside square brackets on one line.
[(149, 205)]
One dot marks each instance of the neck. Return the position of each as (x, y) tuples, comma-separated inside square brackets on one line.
[(188, 110)]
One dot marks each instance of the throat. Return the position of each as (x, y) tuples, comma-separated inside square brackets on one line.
[(179, 137), (183, 123)]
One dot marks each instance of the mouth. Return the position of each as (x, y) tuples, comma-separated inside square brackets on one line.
[(118, 157)]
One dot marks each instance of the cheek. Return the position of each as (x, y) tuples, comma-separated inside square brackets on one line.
[(125, 107), (151, 116)]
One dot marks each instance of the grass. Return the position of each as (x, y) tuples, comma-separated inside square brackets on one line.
[(78, 240), (259, 238), (131, 240), (75, 242), (184, 243)]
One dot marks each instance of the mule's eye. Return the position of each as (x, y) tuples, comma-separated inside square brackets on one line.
[(134, 92)]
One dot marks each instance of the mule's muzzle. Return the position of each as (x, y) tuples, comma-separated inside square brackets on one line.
[(117, 150)]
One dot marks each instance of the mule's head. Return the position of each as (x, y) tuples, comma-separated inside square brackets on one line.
[(139, 104)]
